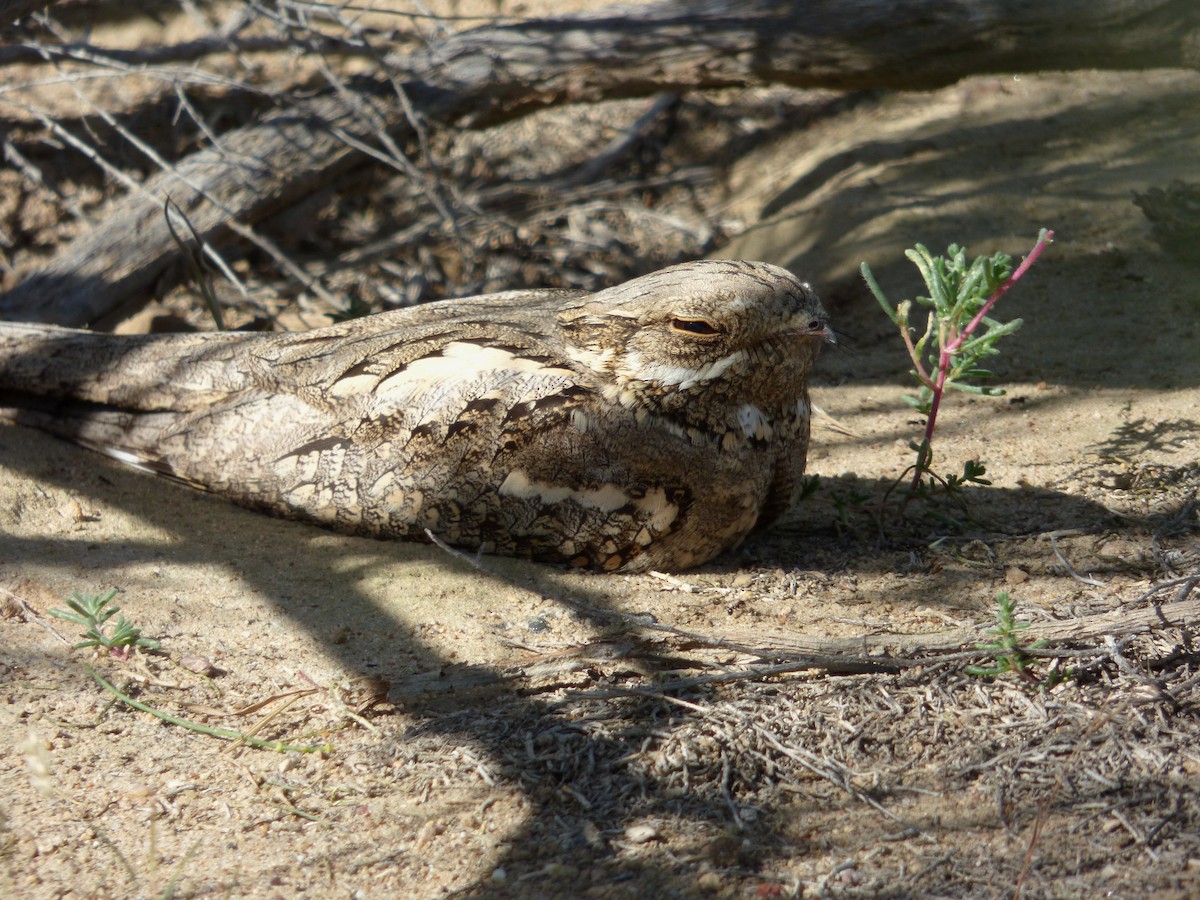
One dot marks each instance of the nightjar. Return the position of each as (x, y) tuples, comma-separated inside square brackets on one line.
[(650, 425)]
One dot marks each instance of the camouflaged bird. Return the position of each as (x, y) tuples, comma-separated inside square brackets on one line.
[(649, 425)]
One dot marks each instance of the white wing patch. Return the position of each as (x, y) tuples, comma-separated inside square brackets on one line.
[(659, 512), (130, 459), (605, 498), (459, 360), (595, 360), (437, 388)]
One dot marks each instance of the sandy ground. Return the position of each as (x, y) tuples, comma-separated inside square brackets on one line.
[(924, 783)]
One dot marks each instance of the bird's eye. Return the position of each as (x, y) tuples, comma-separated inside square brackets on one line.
[(818, 328), (701, 327)]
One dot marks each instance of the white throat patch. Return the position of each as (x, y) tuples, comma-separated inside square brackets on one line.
[(682, 377)]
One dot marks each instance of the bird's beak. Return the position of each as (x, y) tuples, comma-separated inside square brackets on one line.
[(814, 329), (821, 331)]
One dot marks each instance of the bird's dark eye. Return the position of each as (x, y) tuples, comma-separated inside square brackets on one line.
[(701, 327), (817, 327)]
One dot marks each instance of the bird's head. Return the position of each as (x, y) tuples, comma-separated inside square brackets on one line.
[(707, 334)]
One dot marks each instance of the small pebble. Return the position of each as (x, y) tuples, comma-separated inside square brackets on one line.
[(1015, 575), (201, 665), (291, 761), (592, 835), (641, 834), (709, 882)]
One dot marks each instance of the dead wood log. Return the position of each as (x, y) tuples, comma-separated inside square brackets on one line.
[(1122, 623), (497, 72), (766, 655)]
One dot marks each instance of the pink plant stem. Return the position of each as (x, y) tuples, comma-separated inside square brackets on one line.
[(925, 455)]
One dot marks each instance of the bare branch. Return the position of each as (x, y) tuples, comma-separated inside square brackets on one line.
[(498, 72)]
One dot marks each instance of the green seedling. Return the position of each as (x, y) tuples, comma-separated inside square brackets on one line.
[(93, 612), (959, 334), (845, 501), (1011, 654)]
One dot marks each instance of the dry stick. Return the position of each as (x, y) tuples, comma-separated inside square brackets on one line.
[(887, 653), (226, 734), (112, 67), (465, 681), (1186, 586), (825, 769), (498, 72), (1130, 670), (238, 228), (1027, 860), (34, 174), (204, 187), (832, 665), (201, 123), (338, 704), (143, 194), (436, 191), (395, 158), (420, 131), (881, 647), (11, 10), (1070, 569), (33, 614), (34, 52), (249, 736)]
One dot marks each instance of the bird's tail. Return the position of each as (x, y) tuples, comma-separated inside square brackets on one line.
[(116, 393)]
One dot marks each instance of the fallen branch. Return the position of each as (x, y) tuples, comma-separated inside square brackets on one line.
[(1122, 623), (489, 74), (658, 648), (185, 51), (11, 10)]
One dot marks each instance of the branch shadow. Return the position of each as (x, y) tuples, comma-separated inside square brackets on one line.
[(586, 792)]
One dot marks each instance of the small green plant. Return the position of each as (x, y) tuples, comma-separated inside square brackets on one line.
[(192, 254), (809, 485), (845, 501), (355, 308), (1011, 655), (93, 612), (959, 333)]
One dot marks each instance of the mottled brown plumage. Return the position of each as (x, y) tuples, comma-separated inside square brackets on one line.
[(649, 425)]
